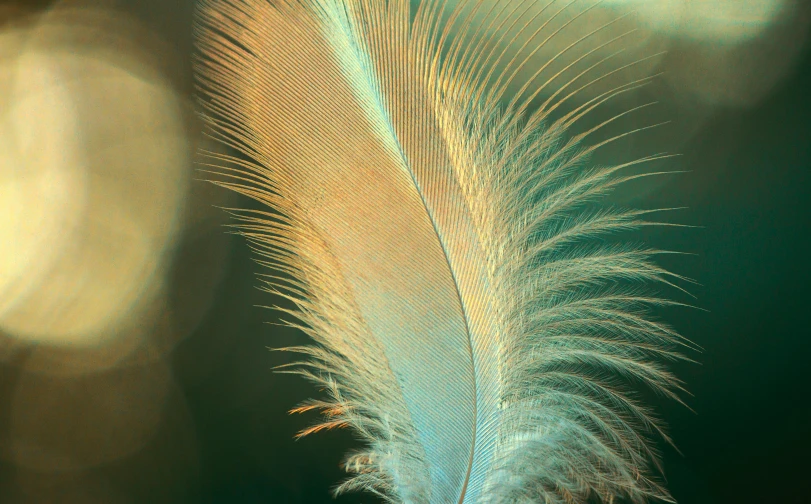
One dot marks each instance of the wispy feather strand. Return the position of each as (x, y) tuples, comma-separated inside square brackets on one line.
[(441, 242)]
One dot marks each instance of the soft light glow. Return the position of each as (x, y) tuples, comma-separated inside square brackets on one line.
[(93, 172), (716, 21)]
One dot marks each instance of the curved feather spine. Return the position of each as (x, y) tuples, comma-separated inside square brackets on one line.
[(525, 316)]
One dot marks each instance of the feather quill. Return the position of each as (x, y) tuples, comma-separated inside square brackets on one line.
[(441, 247)]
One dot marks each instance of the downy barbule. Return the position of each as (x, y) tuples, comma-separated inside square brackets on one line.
[(443, 243)]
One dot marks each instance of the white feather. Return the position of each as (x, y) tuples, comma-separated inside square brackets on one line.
[(443, 250)]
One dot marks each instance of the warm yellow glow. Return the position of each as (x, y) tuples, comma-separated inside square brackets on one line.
[(69, 424), (93, 171)]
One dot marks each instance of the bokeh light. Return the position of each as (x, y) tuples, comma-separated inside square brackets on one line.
[(63, 424), (716, 52), (94, 175), (716, 21), (98, 204)]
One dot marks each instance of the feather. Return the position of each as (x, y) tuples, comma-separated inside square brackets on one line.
[(442, 248)]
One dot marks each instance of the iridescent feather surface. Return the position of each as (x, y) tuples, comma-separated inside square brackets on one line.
[(441, 242)]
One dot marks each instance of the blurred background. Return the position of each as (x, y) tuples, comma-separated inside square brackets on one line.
[(133, 344)]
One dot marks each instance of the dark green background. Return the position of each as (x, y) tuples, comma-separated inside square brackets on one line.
[(749, 440)]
